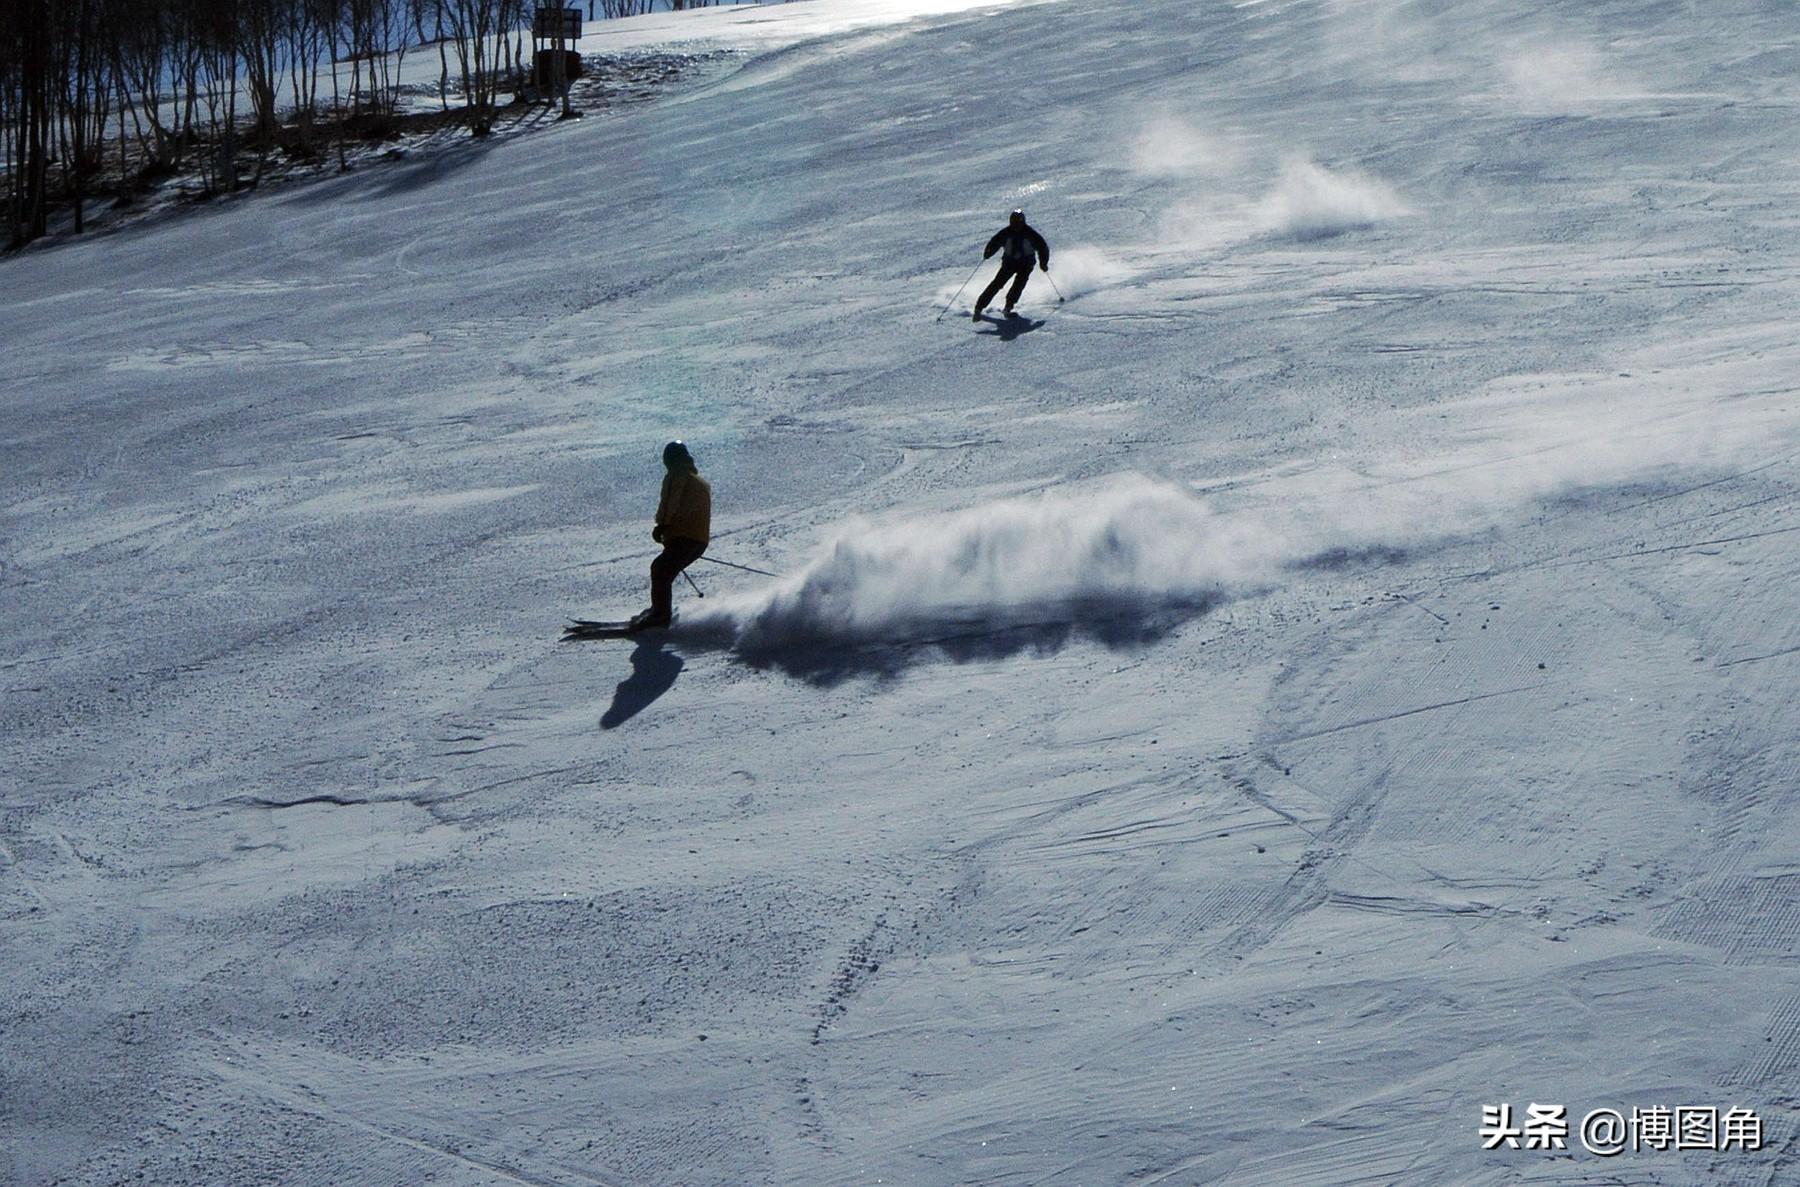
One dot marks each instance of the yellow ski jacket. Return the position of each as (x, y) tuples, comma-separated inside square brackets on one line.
[(685, 509)]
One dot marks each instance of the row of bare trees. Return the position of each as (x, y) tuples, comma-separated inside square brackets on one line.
[(109, 95)]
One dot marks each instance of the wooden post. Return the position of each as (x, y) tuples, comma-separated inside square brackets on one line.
[(561, 27)]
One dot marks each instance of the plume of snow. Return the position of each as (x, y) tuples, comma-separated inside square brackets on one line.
[(1169, 146), (1132, 538), (1312, 202), (1133, 547), (1557, 78), (1084, 269)]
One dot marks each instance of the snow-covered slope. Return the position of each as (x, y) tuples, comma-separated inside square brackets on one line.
[(1333, 673)]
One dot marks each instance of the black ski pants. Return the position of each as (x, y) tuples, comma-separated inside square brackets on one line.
[(1017, 271), (678, 553)]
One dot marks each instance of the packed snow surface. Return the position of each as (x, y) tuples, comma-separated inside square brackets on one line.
[(1331, 673)]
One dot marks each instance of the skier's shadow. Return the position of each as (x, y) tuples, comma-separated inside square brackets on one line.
[(653, 672), (1009, 327)]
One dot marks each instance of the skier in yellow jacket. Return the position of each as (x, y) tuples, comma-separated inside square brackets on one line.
[(683, 526)]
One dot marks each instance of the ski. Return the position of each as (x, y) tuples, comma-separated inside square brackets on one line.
[(590, 628), (586, 629)]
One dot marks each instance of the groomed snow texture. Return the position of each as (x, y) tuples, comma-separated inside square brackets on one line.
[(1334, 672)]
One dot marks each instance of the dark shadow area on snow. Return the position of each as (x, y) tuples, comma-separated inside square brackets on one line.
[(1121, 622), (1313, 234), (400, 170), (966, 637), (1009, 327), (653, 672), (1335, 559)]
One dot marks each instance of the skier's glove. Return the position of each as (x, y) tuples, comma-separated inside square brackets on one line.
[(656, 533)]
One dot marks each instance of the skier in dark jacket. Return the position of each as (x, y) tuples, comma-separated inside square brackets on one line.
[(683, 526), (1017, 244)]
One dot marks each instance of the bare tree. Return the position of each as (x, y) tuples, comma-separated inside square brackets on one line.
[(186, 84), (485, 36), (32, 108)]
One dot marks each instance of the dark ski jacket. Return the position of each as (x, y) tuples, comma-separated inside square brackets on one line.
[(1017, 245)]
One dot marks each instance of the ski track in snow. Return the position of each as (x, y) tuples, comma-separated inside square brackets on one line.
[(1332, 673)]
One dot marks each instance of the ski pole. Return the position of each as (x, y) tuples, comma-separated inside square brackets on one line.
[(746, 568), (1059, 293), (693, 583), (959, 292)]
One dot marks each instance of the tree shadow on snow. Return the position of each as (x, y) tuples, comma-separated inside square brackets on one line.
[(398, 172), (965, 637), (653, 672)]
